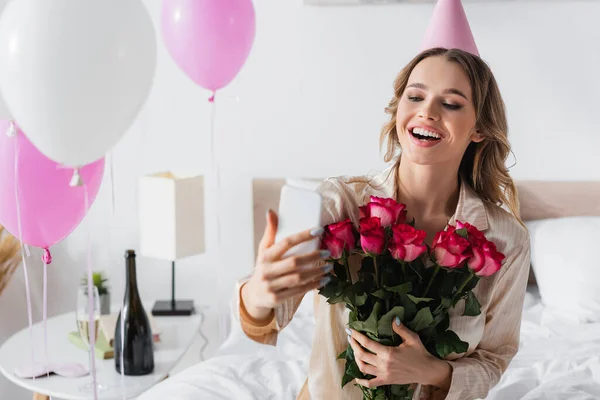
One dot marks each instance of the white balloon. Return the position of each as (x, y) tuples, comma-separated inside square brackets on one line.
[(75, 73), (4, 112)]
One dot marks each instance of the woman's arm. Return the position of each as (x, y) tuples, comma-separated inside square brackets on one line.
[(266, 331), (473, 376), (263, 325)]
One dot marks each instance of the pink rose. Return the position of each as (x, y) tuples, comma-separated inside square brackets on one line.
[(388, 210), (333, 244), (450, 249), (372, 235), (339, 236), (486, 259), (407, 242)]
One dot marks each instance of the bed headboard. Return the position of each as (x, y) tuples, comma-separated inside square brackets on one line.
[(538, 200)]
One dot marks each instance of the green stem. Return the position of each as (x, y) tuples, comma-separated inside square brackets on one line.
[(437, 269), (377, 282), (462, 286), (345, 260), (404, 270)]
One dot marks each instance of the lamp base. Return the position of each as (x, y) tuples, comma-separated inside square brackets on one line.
[(164, 308)]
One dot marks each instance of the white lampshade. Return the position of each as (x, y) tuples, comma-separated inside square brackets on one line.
[(171, 216)]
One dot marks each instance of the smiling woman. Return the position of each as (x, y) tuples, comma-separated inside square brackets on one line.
[(438, 113)]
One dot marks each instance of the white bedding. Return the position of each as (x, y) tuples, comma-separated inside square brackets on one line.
[(558, 359)]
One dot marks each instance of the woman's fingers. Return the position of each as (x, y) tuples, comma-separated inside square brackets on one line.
[(276, 251), (300, 277), (360, 354), (299, 290), (295, 264), (367, 343), (268, 237)]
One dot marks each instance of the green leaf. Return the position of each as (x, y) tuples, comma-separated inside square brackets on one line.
[(384, 328), (400, 289), (347, 378), (385, 341), (418, 300), (446, 303), (379, 293), (370, 325), (448, 342), (360, 300), (380, 395), (401, 392), (448, 283), (472, 283), (353, 371), (472, 306), (462, 232), (340, 271), (99, 280), (342, 355), (422, 320), (410, 309), (331, 289)]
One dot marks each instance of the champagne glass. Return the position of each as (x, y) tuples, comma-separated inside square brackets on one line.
[(82, 316)]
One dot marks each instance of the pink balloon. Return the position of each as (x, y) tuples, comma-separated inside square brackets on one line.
[(50, 209), (210, 40)]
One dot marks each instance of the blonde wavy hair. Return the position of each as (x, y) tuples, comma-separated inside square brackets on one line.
[(483, 165)]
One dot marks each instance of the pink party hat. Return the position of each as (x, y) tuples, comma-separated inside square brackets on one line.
[(449, 28)]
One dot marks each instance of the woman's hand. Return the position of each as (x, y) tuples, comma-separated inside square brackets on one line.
[(405, 364), (275, 278)]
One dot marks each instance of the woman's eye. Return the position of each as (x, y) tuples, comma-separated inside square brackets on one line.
[(451, 106), (414, 98)]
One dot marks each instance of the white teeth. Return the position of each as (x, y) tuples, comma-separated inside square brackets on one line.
[(425, 132)]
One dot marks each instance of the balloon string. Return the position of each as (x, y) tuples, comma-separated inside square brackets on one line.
[(211, 99), (122, 339), (112, 183), (23, 258), (90, 290), (217, 174), (12, 129), (47, 259), (111, 165)]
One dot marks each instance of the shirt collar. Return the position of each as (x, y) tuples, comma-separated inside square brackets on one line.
[(470, 207)]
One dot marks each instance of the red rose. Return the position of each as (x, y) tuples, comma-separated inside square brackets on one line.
[(363, 212), (407, 242), (474, 235), (486, 259), (339, 236), (390, 211), (450, 249), (372, 235), (368, 223)]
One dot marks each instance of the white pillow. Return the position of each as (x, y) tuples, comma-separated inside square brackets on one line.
[(565, 256)]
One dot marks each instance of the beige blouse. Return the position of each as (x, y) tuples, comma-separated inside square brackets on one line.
[(493, 336)]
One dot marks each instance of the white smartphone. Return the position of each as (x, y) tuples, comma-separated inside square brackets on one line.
[(299, 210)]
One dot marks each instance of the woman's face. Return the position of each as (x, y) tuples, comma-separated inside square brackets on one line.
[(436, 117)]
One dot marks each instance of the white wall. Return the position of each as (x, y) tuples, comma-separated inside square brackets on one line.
[(311, 100)]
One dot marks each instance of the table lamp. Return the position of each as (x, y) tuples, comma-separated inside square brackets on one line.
[(171, 211)]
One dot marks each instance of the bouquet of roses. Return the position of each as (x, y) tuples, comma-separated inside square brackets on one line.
[(400, 276)]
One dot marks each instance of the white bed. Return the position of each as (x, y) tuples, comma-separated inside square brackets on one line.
[(559, 358)]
